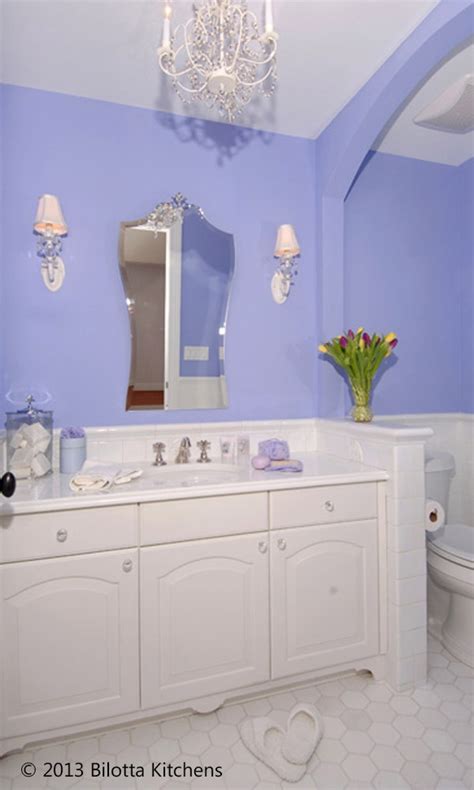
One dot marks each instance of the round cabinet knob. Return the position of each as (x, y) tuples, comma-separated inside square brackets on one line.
[(61, 535), (329, 506), (262, 547), (281, 543), (8, 484), (127, 566)]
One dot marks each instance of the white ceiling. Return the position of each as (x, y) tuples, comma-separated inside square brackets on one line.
[(105, 49), (405, 138)]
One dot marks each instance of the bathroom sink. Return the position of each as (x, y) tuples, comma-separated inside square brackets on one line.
[(193, 474)]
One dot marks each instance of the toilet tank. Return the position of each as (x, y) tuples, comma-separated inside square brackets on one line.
[(439, 469)]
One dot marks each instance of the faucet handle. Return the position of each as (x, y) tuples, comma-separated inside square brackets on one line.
[(204, 446), (158, 449)]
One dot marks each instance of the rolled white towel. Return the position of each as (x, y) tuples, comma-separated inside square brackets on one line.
[(97, 476)]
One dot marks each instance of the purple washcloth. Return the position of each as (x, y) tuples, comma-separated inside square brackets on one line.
[(287, 465), (275, 449)]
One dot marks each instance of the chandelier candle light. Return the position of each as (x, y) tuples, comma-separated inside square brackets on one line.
[(360, 356), (219, 56)]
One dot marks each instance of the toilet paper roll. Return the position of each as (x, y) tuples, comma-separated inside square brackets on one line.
[(435, 517)]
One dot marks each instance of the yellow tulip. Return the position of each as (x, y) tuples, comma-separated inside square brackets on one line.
[(361, 344), (322, 349), (360, 330), (391, 336)]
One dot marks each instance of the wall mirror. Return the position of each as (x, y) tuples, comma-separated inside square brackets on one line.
[(177, 270)]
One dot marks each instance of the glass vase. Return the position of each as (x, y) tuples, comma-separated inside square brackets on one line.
[(361, 411)]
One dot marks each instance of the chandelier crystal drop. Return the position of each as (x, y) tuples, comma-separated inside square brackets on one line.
[(219, 56)]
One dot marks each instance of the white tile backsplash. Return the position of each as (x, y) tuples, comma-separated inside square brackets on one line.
[(411, 616), (406, 564), (124, 444), (406, 537), (410, 510), (410, 457), (411, 590), (453, 433)]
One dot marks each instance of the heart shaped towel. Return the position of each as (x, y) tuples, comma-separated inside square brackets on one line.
[(264, 739), (303, 733)]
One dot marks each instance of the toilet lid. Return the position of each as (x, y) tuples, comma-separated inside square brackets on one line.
[(455, 539)]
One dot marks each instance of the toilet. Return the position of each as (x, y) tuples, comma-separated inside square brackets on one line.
[(450, 557)]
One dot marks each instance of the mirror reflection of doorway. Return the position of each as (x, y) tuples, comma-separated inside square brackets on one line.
[(145, 256)]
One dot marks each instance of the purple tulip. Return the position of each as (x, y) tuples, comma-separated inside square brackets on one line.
[(350, 334), (393, 343), (366, 339), (343, 342)]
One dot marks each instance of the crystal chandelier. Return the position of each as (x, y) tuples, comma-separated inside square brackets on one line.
[(219, 56)]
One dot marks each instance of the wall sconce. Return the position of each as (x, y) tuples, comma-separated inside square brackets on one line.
[(287, 250), (51, 226)]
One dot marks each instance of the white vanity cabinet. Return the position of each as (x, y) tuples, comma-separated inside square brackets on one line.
[(324, 594), (69, 640), (109, 614), (204, 618), (324, 577)]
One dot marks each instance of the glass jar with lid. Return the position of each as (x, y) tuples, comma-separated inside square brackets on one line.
[(29, 441)]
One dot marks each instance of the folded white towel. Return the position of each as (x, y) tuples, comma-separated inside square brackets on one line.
[(97, 476)]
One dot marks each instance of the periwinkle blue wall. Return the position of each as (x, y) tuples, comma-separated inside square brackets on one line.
[(407, 268), (341, 149), (467, 302), (109, 163)]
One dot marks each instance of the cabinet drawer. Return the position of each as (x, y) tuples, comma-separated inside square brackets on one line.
[(323, 505), (207, 517), (26, 537)]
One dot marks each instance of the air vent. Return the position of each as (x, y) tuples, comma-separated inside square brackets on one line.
[(453, 111)]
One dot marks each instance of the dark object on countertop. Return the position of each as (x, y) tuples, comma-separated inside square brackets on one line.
[(8, 484)]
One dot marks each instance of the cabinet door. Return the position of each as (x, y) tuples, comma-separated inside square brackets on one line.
[(205, 620), (324, 596), (69, 640)]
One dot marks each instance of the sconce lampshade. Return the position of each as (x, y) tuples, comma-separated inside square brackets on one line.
[(286, 243), (49, 216)]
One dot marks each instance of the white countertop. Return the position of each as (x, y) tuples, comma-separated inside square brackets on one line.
[(195, 480)]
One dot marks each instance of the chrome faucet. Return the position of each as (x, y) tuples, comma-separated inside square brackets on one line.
[(184, 451), (158, 450)]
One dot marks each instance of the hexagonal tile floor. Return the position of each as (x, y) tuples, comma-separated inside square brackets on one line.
[(373, 739)]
